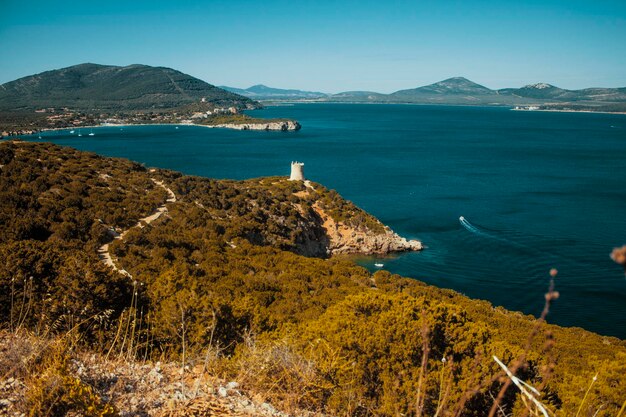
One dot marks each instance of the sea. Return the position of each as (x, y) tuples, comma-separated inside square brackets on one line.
[(498, 197)]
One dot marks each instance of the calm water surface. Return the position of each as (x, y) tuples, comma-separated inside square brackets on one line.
[(538, 190)]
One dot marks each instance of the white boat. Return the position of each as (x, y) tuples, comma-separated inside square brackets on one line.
[(91, 133), (72, 132), (377, 265), (79, 134)]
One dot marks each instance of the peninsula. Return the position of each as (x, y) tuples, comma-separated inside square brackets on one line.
[(91, 95), (127, 290)]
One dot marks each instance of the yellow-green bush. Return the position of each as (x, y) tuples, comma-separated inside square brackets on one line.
[(51, 389)]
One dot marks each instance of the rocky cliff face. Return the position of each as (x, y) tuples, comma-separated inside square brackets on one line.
[(346, 239), (281, 126), (328, 227)]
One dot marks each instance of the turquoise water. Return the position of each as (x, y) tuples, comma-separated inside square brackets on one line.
[(537, 190)]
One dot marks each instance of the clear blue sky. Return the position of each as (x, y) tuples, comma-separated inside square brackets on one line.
[(329, 46)]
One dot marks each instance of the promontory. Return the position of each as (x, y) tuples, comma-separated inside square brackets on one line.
[(92, 94)]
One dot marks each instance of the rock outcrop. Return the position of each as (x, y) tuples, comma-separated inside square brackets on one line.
[(345, 239), (281, 126)]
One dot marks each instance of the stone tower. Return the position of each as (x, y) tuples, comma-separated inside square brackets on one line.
[(296, 171)]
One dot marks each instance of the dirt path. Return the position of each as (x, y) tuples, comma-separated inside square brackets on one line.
[(103, 251)]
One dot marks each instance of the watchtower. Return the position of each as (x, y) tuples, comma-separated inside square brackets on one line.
[(297, 173)]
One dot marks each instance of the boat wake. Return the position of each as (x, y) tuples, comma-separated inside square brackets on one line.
[(539, 254), (470, 227)]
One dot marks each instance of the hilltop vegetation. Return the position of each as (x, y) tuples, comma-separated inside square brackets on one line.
[(221, 282), (93, 87)]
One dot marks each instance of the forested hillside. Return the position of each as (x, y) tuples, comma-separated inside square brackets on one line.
[(91, 87)]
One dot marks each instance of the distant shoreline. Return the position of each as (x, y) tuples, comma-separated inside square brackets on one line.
[(508, 107), (309, 102), (569, 111), (54, 129)]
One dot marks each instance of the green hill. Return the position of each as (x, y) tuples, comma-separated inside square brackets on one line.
[(548, 93), (451, 86), (111, 88)]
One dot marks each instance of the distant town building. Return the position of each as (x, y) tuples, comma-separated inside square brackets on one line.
[(297, 173)]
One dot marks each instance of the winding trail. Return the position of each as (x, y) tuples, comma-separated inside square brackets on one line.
[(103, 251)]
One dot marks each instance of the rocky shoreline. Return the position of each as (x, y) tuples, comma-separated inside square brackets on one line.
[(344, 239), (284, 126)]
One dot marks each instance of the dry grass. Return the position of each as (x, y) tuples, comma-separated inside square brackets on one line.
[(48, 386), (281, 376)]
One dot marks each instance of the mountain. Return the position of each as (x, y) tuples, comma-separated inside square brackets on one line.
[(108, 87), (461, 91), (451, 86), (357, 96), (543, 91), (456, 90), (263, 92)]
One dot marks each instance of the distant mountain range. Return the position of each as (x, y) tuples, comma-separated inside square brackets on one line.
[(262, 92), (107, 87), (460, 90)]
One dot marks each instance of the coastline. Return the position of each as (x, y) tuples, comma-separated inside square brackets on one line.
[(220, 126), (293, 125), (502, 106), (570, 111)]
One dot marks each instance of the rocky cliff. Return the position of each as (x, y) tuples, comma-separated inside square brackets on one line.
[(335, 226), (346, 239)]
